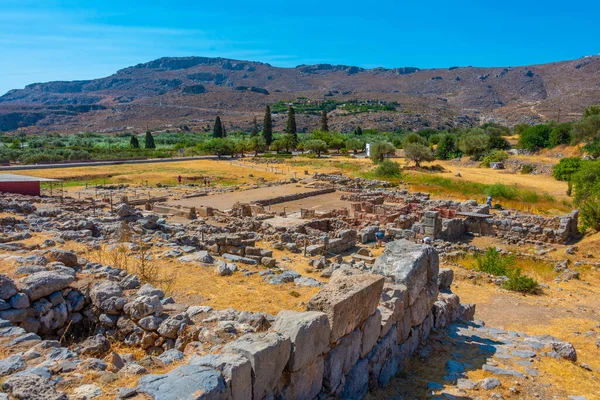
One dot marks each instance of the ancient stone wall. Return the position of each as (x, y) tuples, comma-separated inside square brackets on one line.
[(356, 334), (295, 196)]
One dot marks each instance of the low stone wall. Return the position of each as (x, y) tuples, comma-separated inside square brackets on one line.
[(292, 197), (356, 334)]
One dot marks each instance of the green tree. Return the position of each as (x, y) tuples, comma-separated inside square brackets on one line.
[(586, 184), (134, 143), (290, 126), (224, 131), (587, 129), (254, 131), (497, 142), (535, 137), (591, 110), (474, 143), (566, 168), (257, 144), (267, 131), (412, 138), (358, 131), (241, 147), (446, 148), (149, 140), (316, 146), (355, 144), (560, 134), (324, 121), (379, 150), (418, 153), (218, 146), (218, 128)]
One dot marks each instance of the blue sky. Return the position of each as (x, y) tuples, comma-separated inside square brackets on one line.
[(66, 40)]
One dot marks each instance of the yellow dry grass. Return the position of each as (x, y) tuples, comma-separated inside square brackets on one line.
[(539, 183), (220, 172), (195, 284)]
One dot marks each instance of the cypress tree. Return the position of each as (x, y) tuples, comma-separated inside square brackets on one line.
[(358, 131), (134, 142), (324, 122), (224, 131), (218, 128), (254, 128), (291, 121), (268, 126), (149, 140), (291, 124)]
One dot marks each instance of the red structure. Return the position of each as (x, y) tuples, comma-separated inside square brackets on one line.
[(22, 184)]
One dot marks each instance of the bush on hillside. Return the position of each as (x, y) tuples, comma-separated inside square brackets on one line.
[(388, 169), (586, 185), (535, 137), (566, 168), (497, 264), (494, 156)]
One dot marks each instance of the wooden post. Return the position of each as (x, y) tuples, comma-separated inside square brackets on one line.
[(305, 244)]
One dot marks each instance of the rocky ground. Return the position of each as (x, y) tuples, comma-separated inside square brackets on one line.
[(77, 325)]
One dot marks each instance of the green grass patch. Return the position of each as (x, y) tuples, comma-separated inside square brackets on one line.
[(494, 263)]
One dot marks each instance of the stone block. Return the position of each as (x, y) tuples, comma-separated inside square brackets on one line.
[(340, 361), (357, 381), (403, 327), (348, 301), (306, 383), (370, 333), (236, 369), (445, 278), (410, 264), (268, 354), (308, 332), (185, 382)]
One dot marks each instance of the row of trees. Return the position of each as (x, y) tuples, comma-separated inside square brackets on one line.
[(552, 134)]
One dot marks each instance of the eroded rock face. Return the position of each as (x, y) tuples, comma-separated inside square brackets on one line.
[(408, 263), (348, 301)]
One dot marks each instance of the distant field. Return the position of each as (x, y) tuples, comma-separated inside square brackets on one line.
[(532, 193)]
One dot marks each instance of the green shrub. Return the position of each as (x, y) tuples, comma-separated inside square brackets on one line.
[(388, 169), (501, 190), (592, 148), (494, 263), (521, 283), (560, 134), (566, 168), (447, 147), (494, 156), (527, 168), (535, 137)]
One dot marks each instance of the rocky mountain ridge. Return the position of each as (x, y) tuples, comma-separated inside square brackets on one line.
[(191, 91)]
